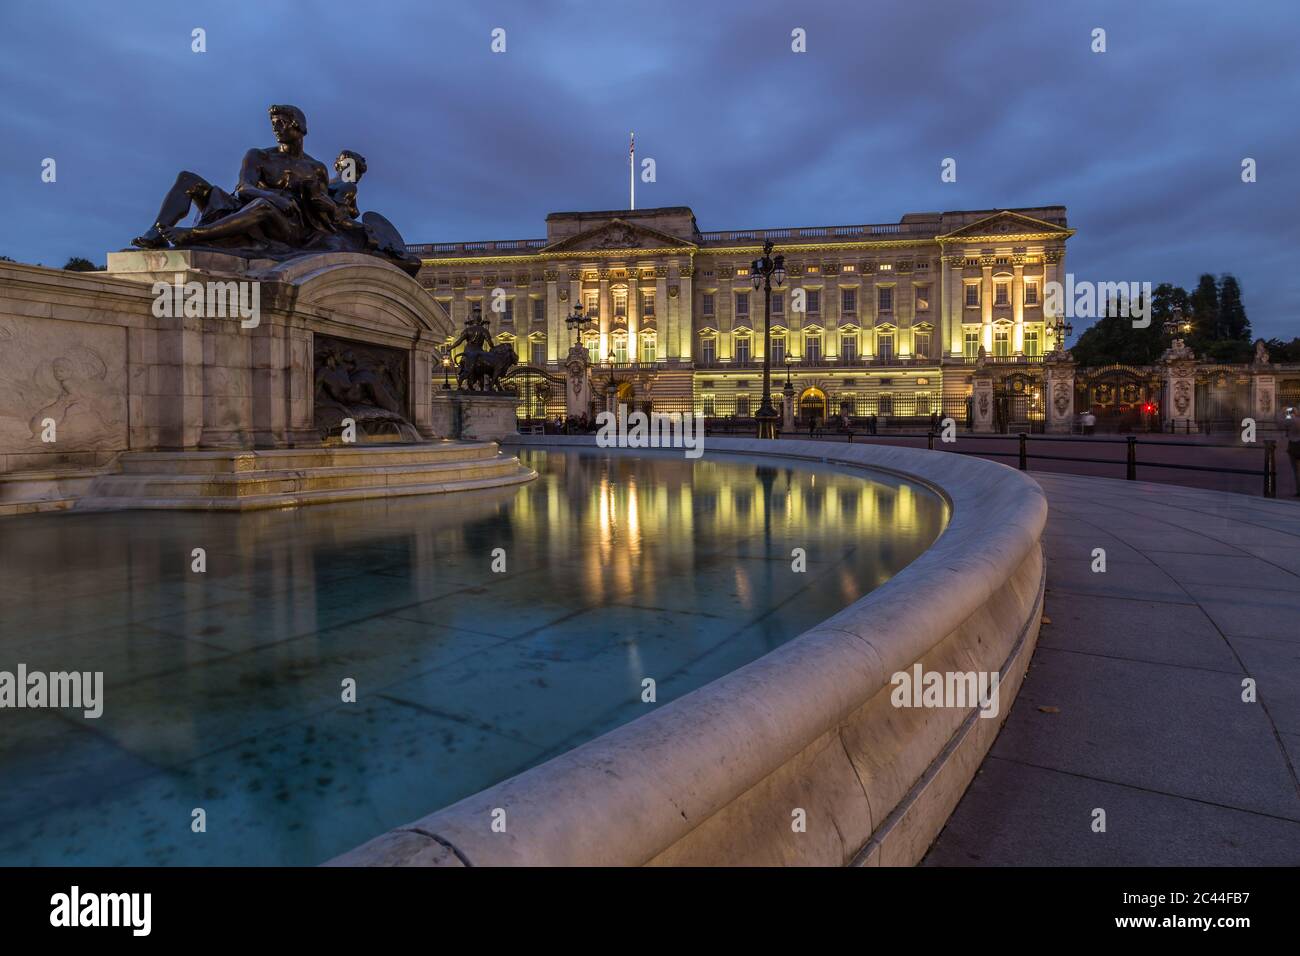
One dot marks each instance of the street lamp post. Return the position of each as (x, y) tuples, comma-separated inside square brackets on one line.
[(446, 372), (611, 387), (577, 321), (763, 271), (788, 391), (1176, 326), (1061, 330)]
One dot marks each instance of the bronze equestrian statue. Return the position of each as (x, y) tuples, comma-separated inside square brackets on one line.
[(481, 365)]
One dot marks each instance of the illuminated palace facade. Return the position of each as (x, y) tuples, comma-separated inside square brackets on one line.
[(892, 322)]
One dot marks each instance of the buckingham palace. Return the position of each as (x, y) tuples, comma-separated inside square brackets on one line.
[(885, 319)]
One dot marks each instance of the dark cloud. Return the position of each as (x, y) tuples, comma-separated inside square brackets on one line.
[(1142, 143)]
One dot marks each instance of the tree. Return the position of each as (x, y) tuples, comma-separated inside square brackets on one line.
[(78, 264), (1113, 340), (1232, 314), (1280, 351), (1205, 317)]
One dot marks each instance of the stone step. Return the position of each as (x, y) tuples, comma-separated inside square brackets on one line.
[(294, 459), (517, 475), (290, 481), (51, 489), (280, 478)]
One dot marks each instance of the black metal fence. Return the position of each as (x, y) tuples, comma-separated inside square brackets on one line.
[(1130, 461)]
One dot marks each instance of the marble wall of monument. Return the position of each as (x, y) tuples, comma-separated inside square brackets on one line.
[(88, 370)]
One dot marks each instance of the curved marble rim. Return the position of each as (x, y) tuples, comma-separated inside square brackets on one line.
[(628, 795)]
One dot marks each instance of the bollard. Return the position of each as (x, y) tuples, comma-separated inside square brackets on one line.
[(1132, 458), (929, 440), (1024, 458), (1270, 468)]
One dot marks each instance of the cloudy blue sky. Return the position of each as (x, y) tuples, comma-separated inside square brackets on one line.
[(1143, 143)]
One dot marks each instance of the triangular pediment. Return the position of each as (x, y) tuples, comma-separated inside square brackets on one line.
[(617, 234), (1007, 223)]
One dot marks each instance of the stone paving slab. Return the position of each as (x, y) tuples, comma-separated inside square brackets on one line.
[(1132, 703)]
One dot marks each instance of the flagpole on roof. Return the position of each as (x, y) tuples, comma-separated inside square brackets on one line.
[(631, 170)]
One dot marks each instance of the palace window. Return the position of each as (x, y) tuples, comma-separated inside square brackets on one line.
[(649, 349), (742, 271), (592, 304), (972, 295), (742, 303), (539, 351), (921, 344), (1000, 296), (539, 310), (707, 306), (812, 348), (647, 303), (971, 344), (885, 345), (741, 347), (620, 302), (814, 301), (592, 342), (509, 314), (849, 267), (923, 298), (778, 303), (778, 350), (1001, 342), (1031, 342), (708, 350), (813, 269), (886, 267), (885, 298), (620, 349), (849, 347), (1031, 293), (848, 301)]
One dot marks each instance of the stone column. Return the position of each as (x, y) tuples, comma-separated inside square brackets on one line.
[(787, 410), (982, 400), (605, 312), (1179, 408), (633, 316), (955, 305), (577, 392), (1263, 397), (665, 318), (685, 313), (421, 385), (1018, 305), (1059, 393), (556, 330), (1051, 273), (986, 304), (270, 385)]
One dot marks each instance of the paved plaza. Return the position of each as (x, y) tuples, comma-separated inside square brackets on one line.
[(1133, 701)]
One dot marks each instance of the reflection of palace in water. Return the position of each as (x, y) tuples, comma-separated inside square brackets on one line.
[(621, 530), (885, 319)]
